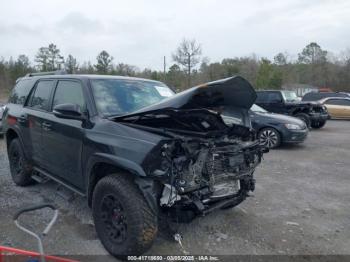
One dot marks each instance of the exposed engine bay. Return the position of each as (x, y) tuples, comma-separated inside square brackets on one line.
[(203, 164)]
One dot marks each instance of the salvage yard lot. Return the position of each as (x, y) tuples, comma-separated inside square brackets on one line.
[(301, 205)]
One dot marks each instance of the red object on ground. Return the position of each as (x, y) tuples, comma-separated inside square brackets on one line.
[(12, 254)]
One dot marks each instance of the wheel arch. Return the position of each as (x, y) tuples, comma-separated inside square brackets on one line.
[(101, 165), (10, 135)]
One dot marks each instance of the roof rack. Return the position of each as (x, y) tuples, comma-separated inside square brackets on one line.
[(57, 72)]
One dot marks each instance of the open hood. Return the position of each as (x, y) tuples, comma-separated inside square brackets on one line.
[(233, 91)]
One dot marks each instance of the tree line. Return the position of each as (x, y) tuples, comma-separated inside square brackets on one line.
[(313, 66)]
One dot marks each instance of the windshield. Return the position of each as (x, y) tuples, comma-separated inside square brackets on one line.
[(290, 96), (256, 108), (118, 97)]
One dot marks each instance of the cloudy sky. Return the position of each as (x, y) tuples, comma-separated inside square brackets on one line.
[(141, 32)]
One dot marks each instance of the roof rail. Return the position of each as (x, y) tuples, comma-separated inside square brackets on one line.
[(57, 72)]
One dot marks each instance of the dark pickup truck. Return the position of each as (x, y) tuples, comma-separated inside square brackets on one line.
[(313, 114), (134, 149)]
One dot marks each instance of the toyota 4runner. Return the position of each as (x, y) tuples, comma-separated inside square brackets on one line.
[(134, 149)]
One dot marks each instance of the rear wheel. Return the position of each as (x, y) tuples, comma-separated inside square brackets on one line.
[(269, 137), (124, 221), (20, 169), (305, 118), (318, 124)]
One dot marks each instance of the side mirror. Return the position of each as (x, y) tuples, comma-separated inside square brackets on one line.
[(68, 111)]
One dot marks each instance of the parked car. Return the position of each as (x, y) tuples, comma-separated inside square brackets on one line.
[(134, 149), (313, 114), (275, 129), (338, 107), (2, 109), (316, 96)]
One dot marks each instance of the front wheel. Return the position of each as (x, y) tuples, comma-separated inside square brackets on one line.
[(318, 124), (269, 137), (124, 221), (305, 118)]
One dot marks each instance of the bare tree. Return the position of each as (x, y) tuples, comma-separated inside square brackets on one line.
[(188, 56)]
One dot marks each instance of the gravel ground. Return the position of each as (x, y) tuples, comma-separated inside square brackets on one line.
[(301, 206)]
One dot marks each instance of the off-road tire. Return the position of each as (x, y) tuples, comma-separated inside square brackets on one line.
[(319, 124), (305, 118), (20, 168), (130, 206)]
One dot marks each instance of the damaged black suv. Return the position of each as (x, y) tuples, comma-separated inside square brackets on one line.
[(286, 102), (135, 149)]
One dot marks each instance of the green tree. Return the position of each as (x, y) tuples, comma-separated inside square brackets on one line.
[(268, 76), (280, 59), (316, 70), (42, 59), (49, 58), (174, 77), (71, 65), (264, 74), (125, 70), (21, 67), (104, 62), (312, 54)]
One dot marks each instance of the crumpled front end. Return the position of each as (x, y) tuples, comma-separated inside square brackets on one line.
[(202, 164), (200, 176)]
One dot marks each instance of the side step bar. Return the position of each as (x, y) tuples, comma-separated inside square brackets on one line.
[(72, 188)]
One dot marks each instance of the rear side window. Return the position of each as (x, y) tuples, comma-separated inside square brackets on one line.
[(261, 97), (69, 92), (338, 102), (266, 97), (312, 96), (274, 96), (41, 96), (20, 92)]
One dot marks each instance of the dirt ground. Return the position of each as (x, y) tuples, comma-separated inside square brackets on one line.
[(301, 206)]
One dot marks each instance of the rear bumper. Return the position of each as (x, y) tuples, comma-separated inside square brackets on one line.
[(295, 136)]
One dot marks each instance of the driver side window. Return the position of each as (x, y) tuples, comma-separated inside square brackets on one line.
[(275, 97), (69, 92)]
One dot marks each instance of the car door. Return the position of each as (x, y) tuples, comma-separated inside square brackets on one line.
[(63, 138), (276, 103), (335, 108), (36, 111), (346, 104), (262, 100)]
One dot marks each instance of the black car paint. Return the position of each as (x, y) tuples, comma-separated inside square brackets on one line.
[(262, 120), (72, 151), (314, 110)]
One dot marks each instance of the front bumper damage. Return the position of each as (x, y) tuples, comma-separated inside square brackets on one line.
[(221, 178)]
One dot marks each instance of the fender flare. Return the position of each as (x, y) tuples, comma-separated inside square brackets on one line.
[(19, 136), (119, 162)]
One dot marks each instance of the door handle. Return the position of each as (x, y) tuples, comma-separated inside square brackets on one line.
[(22, 119), (46, 126)]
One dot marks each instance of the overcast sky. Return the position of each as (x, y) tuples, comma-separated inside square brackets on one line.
[(141, 32)]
